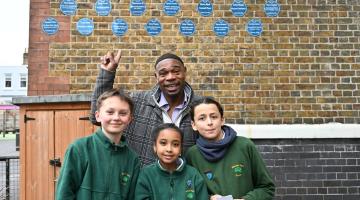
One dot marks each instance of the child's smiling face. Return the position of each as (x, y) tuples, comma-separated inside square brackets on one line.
[(208, 121), (168, 148), (114, 115)]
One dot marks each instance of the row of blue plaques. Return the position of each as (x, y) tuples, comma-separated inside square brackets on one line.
[(171, 7), (85, 26)]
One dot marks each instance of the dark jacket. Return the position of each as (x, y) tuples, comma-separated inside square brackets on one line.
[(147, 115)]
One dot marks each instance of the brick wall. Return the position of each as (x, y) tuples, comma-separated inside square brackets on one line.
[(313, 169), (304, 68), (40, 77)]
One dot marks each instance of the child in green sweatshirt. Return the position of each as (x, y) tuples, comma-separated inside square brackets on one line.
[(101, 166), (230, 164), (169, 178)]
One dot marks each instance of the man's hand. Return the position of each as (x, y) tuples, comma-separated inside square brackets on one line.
[(110, 62)]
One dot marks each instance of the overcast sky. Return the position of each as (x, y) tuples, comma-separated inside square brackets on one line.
[(14, 31)]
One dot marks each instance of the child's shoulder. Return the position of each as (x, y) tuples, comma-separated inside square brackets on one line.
[(149, 167), (81, 144), (192, 149), (191, 169), (83, 140), (149, 170), (241, 141)]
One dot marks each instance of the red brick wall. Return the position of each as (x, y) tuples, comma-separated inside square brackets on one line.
[(41, 79)]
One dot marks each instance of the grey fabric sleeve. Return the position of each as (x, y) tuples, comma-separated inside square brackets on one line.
[(104, 82)]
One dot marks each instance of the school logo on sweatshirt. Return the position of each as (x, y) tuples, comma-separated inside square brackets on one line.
[(237, 169), (190, 194), (209, 175), (125, 177), (189, 190)]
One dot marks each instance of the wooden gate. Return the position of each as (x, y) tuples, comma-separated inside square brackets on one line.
[(45, 133)]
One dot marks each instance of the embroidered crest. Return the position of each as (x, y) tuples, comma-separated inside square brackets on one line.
[(189, 190), (188, 183), (209, 175), (190, 194), (125, 177), (237, 169)]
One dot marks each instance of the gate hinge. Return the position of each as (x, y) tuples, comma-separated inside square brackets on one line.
[(26, 118)]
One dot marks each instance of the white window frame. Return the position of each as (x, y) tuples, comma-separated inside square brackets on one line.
[(23, 79), (8, 78)]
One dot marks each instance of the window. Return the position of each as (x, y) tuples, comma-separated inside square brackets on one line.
[(8, 80), (23, 80)]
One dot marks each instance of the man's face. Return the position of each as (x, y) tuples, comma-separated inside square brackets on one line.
[(170, 75)]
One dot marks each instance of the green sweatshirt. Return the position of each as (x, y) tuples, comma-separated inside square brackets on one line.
[(240, 173), (156, 183), (94, 168)]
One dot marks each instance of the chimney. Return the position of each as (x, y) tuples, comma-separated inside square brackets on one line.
[(25, 57)]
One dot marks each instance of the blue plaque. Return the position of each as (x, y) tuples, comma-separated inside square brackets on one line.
[(153, 27), (68, 7), (137, 7), (171, 7), (187, 27), (50, 26), (254, 27), (119, 27), (85, 26), (103, 7), (272, 8), (221, 28), (205, 8), (238, 8)]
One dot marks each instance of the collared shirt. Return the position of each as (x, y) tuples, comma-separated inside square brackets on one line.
[(164, 105)]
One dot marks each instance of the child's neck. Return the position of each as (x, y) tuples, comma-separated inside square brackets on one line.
[(173, 167), (115, 138)]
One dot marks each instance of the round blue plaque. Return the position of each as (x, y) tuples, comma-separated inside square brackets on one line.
[(238, 8), (137, 7), (205, 8), (171, 7), (68, 7), (103, 7), (221, 28), (187, 27), (254, 27), (272, 8), (153, 27), (85, 26), (50, 26), (119, 27)]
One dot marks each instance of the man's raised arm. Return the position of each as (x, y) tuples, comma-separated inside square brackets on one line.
[(105, 80)]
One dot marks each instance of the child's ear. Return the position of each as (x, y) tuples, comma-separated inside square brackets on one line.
[(193, 126), (222, 121), (97, 116), (154, 148)]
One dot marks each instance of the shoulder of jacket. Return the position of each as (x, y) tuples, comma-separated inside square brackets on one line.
[(244, 142), (83, 141), (141, 95)]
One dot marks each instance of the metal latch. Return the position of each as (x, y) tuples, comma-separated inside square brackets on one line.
[(55, 162)]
